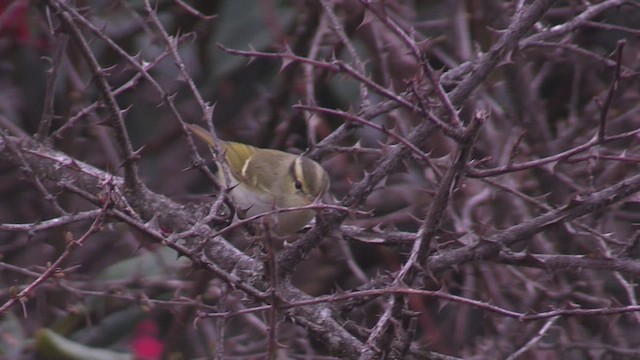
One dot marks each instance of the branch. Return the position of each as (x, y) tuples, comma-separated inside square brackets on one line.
[(579, 206), (219, 258), (523, 20), (128, 156)]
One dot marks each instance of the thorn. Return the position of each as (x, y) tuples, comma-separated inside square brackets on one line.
[(138, 153)]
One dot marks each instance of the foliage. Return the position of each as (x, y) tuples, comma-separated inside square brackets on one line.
[(483, 158)]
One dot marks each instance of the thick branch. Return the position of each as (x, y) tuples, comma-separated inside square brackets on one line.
[(219, 254)]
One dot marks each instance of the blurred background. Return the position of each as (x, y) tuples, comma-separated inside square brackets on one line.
[(545, 98)]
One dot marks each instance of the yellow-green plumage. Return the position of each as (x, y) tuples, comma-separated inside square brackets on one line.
[(266, 179)]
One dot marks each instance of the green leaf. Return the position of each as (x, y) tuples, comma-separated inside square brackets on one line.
[(12, 337), (150, 264), (50, 345), (111, 328), (242, 23)]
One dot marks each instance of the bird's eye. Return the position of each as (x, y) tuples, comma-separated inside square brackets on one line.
[(298, 185)]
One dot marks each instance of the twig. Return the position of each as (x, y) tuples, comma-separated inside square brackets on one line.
[(452, 113), (33, 228), (427, 231), (602, 130), (191, 10), (128, 156), (523, 231), (339, 30), (523, 20), (533, 340), (565, 28), (31, 173), (54, 268), (50, 93), (563, 156)]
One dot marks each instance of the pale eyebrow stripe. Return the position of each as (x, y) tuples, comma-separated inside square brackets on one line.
[(298, 171), (320, 177), (245, 167)]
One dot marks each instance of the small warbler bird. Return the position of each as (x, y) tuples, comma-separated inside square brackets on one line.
[(264, 179)]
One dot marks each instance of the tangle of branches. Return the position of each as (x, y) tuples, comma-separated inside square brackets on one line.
[(483, 158)]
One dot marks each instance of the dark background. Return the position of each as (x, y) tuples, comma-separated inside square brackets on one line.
[(549, 96)]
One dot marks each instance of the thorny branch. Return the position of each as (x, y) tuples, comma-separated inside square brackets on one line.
[(521, 222)]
